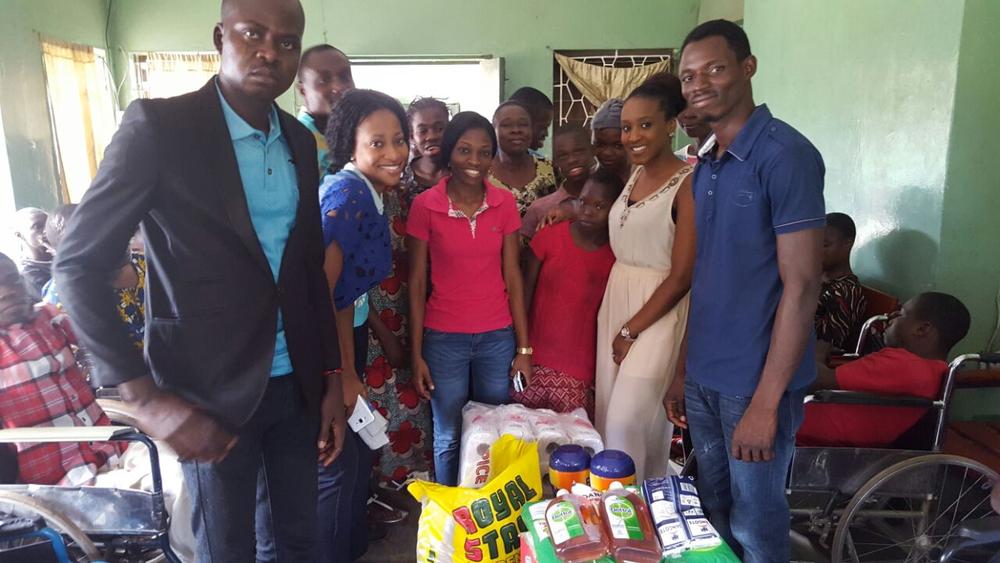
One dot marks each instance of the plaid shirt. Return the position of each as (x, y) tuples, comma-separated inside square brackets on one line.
[(41, 385)]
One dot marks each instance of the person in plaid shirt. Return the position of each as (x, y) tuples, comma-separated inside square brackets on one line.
[(41, 385)]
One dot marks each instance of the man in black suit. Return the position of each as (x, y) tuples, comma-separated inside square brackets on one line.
[(240, 340)]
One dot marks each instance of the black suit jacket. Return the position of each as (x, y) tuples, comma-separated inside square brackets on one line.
[(211, 299)]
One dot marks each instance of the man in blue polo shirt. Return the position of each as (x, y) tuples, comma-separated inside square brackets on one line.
[(749, 351)]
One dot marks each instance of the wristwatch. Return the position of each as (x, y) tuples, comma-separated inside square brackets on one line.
[(627, 334), (527, 351)]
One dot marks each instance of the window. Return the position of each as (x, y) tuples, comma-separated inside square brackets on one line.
[(7, 243), (470, 83), (572, 106), (163, 75), (82, 109)]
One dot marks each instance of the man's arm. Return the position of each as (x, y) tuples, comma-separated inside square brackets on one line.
[(799, 266), (97, 237)]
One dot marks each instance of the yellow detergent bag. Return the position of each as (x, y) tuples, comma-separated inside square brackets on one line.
[(459, 525)]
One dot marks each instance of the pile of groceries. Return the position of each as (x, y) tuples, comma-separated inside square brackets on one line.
[(587, 507)]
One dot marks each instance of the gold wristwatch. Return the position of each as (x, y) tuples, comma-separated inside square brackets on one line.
[(527, 351)]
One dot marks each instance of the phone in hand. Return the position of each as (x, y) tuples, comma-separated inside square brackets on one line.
[(520, 383)]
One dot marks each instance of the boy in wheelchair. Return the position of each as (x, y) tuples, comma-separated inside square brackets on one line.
[(913, 363), (41, 385)]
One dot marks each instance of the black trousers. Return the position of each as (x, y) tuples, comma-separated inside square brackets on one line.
[(270, 477), (343, 487)]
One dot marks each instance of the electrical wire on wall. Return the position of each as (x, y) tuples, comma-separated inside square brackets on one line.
[(994, 343), (107, 60)]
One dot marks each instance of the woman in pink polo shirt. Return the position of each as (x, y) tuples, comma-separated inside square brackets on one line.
[(465, 331)]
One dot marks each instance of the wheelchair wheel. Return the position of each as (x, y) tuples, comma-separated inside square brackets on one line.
[(911, 510), (78, 539)]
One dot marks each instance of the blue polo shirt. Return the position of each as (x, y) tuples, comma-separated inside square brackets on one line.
[(769, 182), (271, 186)]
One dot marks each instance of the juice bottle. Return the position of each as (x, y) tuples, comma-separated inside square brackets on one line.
[(628, 526), (575, 529)]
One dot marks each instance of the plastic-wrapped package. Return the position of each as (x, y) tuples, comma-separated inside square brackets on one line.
[(482, 425), (550, 434), (479, 432), (581, 432)]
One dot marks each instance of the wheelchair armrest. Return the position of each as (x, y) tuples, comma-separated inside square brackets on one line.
[(840, 397), (67, 434), (990, 358)]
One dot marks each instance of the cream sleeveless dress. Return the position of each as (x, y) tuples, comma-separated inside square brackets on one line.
[(629, 408)]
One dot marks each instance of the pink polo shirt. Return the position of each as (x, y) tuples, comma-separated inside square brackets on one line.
[(468, 294)]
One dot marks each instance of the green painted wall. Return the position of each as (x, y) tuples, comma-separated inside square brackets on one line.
[(969, 263), (26, 121), (875, 95), (522, 31), (899, 96)]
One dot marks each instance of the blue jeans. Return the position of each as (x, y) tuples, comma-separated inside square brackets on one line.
[(460, 363), (745, 501)]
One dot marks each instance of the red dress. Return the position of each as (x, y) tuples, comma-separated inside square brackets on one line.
[(563, 320)]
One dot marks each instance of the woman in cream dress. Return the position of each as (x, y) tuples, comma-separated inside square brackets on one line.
[(643, 316)]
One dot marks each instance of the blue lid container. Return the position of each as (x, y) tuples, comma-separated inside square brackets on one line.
[(612, 464), (569, 458)]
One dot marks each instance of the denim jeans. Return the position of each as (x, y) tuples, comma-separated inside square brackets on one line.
[(269, 476), (745, 501), (460, 363)]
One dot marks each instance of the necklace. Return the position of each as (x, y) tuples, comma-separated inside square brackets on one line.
[(674, 181)]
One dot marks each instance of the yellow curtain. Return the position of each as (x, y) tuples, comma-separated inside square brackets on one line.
[(162, 75), (598, 84), (68, 70)]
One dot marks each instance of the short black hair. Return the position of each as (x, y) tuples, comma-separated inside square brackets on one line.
[(533, 98), (571, 129), (664, 88), (611, 182), (947, 314), (348, 112), (304, 59), (462, 122), (421, 104), (516, 104), (734, 35), (843, 224), (55, 225)]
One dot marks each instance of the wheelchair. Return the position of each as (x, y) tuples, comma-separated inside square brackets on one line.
[(65, 524), (910, 502)]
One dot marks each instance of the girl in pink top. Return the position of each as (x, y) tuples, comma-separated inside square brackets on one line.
[(567, 272), (464, 333)]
